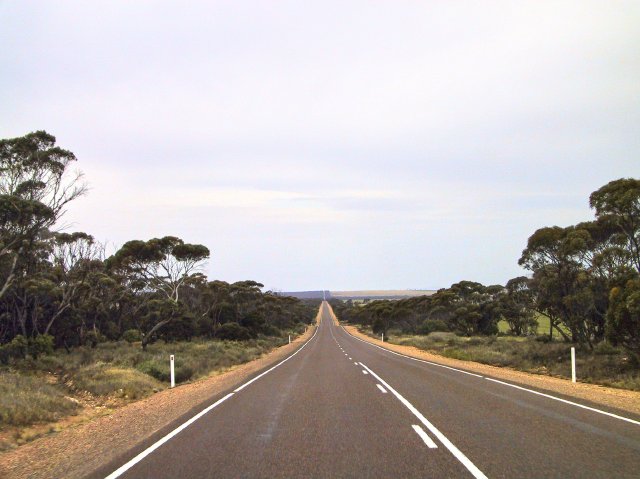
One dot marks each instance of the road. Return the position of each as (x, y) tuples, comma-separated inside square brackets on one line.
[(341, 407)]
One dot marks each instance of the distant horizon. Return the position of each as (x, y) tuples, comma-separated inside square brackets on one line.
[(359, 143)]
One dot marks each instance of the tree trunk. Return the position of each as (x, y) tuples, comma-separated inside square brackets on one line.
[(147, 337)]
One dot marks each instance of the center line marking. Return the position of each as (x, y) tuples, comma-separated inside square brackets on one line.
[(459, 455), (383, 390), (423, 435), (364, 372), (532, 391)]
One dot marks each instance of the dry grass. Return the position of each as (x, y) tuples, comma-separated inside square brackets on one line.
[(28, 399), (52, 387), (102, 380), (606, 365)]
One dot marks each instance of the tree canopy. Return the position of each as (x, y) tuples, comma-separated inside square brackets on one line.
[(59, 289)]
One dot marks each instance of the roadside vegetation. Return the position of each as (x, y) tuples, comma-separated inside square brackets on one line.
[(55, 385), (583, 291), (605, 365), (82, 327)]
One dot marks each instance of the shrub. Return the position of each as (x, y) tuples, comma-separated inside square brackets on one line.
[(41, 344), (159, 369), (17, 348), (233, 332), (433, 325), (102, 380), (132, 336), (153, 368), (605, 348), (476, 341), (28, 399), (271, 330), (378, 326)]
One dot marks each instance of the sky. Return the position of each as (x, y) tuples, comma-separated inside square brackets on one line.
[(331, 145)]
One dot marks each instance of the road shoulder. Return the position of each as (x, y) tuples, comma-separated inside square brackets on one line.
[(78, 451), (620, 399)]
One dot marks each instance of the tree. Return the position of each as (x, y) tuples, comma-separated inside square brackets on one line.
[(35, 186), (475, 307), (516, 305), (161, 266), (623, 318), (565, 286), (619, 201)]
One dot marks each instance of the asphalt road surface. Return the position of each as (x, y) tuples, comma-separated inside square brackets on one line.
[(341, 407)]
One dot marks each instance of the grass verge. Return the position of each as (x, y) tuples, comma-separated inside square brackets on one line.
[(605, 365), (34, 393), (28, 399)]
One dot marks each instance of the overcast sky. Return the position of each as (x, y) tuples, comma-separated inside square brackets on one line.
[(337, 145)]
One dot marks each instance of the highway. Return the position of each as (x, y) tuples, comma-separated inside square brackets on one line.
[(341, 407)]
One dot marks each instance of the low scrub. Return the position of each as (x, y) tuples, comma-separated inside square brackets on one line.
[(37, 390), (102, 380), (606, 365), (26, 399)]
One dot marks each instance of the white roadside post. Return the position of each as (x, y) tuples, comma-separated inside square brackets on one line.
[(382, 337), (573, 364), (289, 339), (172, 371)]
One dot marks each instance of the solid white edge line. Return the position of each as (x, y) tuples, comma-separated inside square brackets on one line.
[(125, 467), (549, 396), (412, 358), (471, 467), (423, 435), (128, 465), (382, 390), (599, 411)]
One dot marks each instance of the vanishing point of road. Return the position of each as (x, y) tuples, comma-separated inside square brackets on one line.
[(341, 407)]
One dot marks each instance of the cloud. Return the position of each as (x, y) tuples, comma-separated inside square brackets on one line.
[(332, 144)]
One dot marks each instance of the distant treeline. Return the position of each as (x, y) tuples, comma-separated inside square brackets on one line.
[(60, 290), (585, 279)]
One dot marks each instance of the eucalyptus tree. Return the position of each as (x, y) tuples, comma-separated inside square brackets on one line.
[(618, 202), (517, 306), (36, 184), (157, 270)]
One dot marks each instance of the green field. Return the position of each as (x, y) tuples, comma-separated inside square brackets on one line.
[(543, 326)]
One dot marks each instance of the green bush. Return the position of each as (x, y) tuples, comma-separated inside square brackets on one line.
[(378, 326), (132, 336), (605, 348), (271, 330), (41, 344), (159, 369), (154, 369), (233, 332), (429, 326), (17, 348)]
